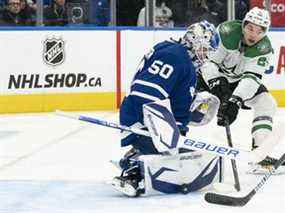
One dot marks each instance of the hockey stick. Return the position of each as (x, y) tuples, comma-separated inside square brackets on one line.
[(233, 162), (241, 201), (195, 144)]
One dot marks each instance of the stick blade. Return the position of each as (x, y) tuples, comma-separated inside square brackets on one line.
[(225, 200)]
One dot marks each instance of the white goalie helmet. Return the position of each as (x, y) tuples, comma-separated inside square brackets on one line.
[(257, 16), (201, 38)]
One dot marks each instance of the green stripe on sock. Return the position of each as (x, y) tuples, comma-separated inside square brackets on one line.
[(261, 126)]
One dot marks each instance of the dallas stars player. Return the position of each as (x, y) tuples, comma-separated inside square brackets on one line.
[(234, 73)]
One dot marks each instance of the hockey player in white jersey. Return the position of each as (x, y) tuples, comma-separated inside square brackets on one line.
[(167, 74), (234, 74)]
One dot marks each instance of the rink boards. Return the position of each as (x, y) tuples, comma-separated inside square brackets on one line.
[(44, 69)]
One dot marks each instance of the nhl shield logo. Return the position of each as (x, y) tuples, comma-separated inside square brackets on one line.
[(53, 51)]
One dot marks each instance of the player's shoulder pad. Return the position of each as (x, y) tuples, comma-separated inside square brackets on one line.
[(263, 47), (230, 33)]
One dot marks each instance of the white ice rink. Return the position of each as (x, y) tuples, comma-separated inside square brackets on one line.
[(51, 164)]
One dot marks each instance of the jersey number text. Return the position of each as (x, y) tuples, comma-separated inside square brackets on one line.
[(163, 70)]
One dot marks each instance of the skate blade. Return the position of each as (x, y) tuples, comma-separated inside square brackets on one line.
[(259, 170), (124, 187)]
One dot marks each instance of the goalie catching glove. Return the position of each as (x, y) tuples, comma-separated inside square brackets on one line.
[(203, 109)]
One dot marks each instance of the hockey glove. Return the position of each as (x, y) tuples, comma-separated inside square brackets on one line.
[(228, 111), (220, 88)]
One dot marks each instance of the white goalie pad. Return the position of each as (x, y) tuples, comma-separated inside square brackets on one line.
[(180, 173), (204, 108), (161, 125)]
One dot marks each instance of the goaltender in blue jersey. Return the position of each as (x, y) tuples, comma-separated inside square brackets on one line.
[(167, 72)]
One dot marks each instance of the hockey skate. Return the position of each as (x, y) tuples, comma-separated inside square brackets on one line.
[(129, 181), (127, 186), (264, 166)]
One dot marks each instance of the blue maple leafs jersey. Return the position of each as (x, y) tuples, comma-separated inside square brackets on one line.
[(165, 72)]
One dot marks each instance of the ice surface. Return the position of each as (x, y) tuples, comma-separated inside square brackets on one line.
[(51, 164)]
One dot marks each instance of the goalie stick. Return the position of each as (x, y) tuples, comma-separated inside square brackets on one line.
[(102, 123), (195, 144), (241, 201)]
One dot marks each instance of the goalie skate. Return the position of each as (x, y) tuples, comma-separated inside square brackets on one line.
[(128, 182), (263, 166), (126, 186)]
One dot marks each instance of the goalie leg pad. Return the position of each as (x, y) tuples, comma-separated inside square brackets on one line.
[(161, 124), (181, 173)]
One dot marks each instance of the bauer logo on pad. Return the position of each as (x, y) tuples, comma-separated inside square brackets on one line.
[(53, 51)]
